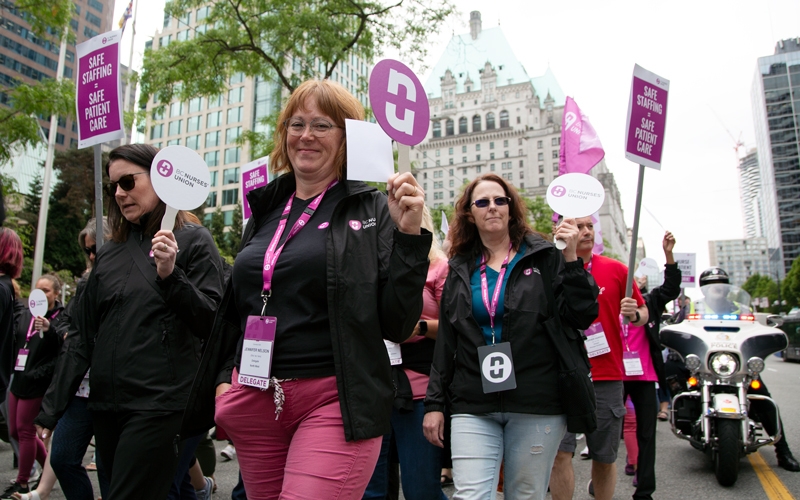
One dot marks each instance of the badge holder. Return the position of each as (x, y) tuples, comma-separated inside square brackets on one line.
[(497, 367), (596, 341), (259, 337)]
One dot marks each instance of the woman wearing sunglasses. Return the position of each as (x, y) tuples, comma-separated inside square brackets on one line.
[(149, 301), (494, 362)]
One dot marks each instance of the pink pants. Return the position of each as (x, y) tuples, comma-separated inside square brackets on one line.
[(629, 433), (21, 413), (302, 454)]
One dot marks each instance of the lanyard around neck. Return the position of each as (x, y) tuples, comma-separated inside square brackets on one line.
[(491, 308), (32, 332), (273, 251)]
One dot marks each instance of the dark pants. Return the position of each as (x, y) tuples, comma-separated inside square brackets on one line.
[(139, 450), (70, 440), (764, 412), (238, 492), (645, 403), (182, 488), (420, 461)]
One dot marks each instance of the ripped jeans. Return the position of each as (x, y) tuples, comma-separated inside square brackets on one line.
[(526, 443)]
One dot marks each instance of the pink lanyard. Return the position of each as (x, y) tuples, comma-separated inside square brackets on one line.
[(492, 308), (31, 331), (273, 251)]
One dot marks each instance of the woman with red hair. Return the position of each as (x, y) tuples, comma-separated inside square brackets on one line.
[(10, 268)]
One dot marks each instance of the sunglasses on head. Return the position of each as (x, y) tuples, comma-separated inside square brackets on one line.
[(91, 250), (500, 201), (126, 182)]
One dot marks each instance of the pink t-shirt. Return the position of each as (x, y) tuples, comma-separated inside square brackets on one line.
[(431, 296), (637, 342)]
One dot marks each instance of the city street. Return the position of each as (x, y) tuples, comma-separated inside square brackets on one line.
[(681, 471)]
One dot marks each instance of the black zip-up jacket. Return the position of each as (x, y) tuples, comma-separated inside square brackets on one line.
[(656, 299), (32, 382), (455, 374), (8, 318), (375, 281), (140, 334)]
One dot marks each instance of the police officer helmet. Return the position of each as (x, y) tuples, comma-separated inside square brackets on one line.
[(714, 275)]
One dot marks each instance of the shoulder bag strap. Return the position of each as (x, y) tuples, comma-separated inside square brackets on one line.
[(147, 270)]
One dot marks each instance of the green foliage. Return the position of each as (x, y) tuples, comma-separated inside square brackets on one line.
[(47, 17), (608, 253), (436, 215), (19, 127), (540, 214), (217, 228), (790, 287), (234, 235), (284, 41), (759, 285)]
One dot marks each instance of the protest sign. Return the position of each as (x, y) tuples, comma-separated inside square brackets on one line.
[(254, 176), (97, 91), (37, 303), (647, 118), (181, 179), (686, 264)]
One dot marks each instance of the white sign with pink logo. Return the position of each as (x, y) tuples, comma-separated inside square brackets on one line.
[(181, 179)]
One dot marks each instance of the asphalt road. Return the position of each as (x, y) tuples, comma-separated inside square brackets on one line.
[(681, 471)]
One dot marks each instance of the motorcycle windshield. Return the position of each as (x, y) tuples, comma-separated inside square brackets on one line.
[(722, 298)]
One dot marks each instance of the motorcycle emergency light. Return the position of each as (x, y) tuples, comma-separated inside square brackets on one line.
[(694, 316), (724, 364), (755, 384), (692, 381), (726, 317), (693, 362), (755, 364)]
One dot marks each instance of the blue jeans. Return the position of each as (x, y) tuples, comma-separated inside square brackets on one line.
[(526, 443), (70, 440), (420, 461), (182, 488)]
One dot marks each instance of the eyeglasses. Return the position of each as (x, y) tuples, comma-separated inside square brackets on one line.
[(500, 201), (90, 250), (126, 182), (319, 127)]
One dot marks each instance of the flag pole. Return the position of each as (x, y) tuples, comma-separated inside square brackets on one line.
[(130, 73)]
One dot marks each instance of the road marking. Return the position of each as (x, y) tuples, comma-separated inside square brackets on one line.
[(772, 369), (773, 486)]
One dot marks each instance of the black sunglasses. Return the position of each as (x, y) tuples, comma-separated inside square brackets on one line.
[(92, 249), (126, 182), (500, 201)]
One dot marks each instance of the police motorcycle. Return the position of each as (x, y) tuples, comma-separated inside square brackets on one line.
[(723, 346)]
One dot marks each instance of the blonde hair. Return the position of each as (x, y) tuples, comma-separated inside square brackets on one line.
[(435, 252), (331, 99)]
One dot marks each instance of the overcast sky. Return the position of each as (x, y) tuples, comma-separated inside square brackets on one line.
[(707, 49)]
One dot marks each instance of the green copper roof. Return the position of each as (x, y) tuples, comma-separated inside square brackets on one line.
[(466, 57)]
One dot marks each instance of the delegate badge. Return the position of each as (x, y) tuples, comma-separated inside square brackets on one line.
[(259, 337), (497, 368)]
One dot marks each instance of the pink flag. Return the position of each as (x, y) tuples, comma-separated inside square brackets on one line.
[(580, 147)]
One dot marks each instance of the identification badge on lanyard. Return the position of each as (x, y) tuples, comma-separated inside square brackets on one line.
[(497, 367), (596, 341), (22, 358), (395, 354), (256, 364), (632, 363)]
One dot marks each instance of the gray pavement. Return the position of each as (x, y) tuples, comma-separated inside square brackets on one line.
[(681, 471)]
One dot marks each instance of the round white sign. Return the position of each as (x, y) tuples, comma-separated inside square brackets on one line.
[(647, 267), (496, 367), (180, 177), (37, 303), (575, 195)]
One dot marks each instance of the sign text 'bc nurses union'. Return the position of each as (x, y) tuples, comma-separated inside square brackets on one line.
[(98, 96), (399, 102), (647, 118)]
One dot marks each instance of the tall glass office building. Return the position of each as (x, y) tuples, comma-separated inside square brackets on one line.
[(776, 112)]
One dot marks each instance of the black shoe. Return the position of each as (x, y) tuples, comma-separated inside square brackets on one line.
[(15, 488), (788, 462)]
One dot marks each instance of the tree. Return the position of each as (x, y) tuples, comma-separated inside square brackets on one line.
[(283, 41), (790, 287), (234, 235), (217, 229), (759, 285), (540, 214), (19, 126)]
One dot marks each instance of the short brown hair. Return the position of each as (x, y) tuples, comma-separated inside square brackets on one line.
[(464, 234), (11, 253), (141, 155), (333, 100)]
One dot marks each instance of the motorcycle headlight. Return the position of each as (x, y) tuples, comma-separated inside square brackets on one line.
[(693, 362), (724, 364), (755, 364)]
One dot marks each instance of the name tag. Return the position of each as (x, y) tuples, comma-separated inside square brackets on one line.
[(395, 354), (497, 368), (596, 341), (22, 358), (256, 365), (632, 363)]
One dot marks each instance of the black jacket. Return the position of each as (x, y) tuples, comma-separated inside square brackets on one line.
[(375, 281), (656, 299), (8, 304), (140, 334), (43, 352), (455, 374)]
